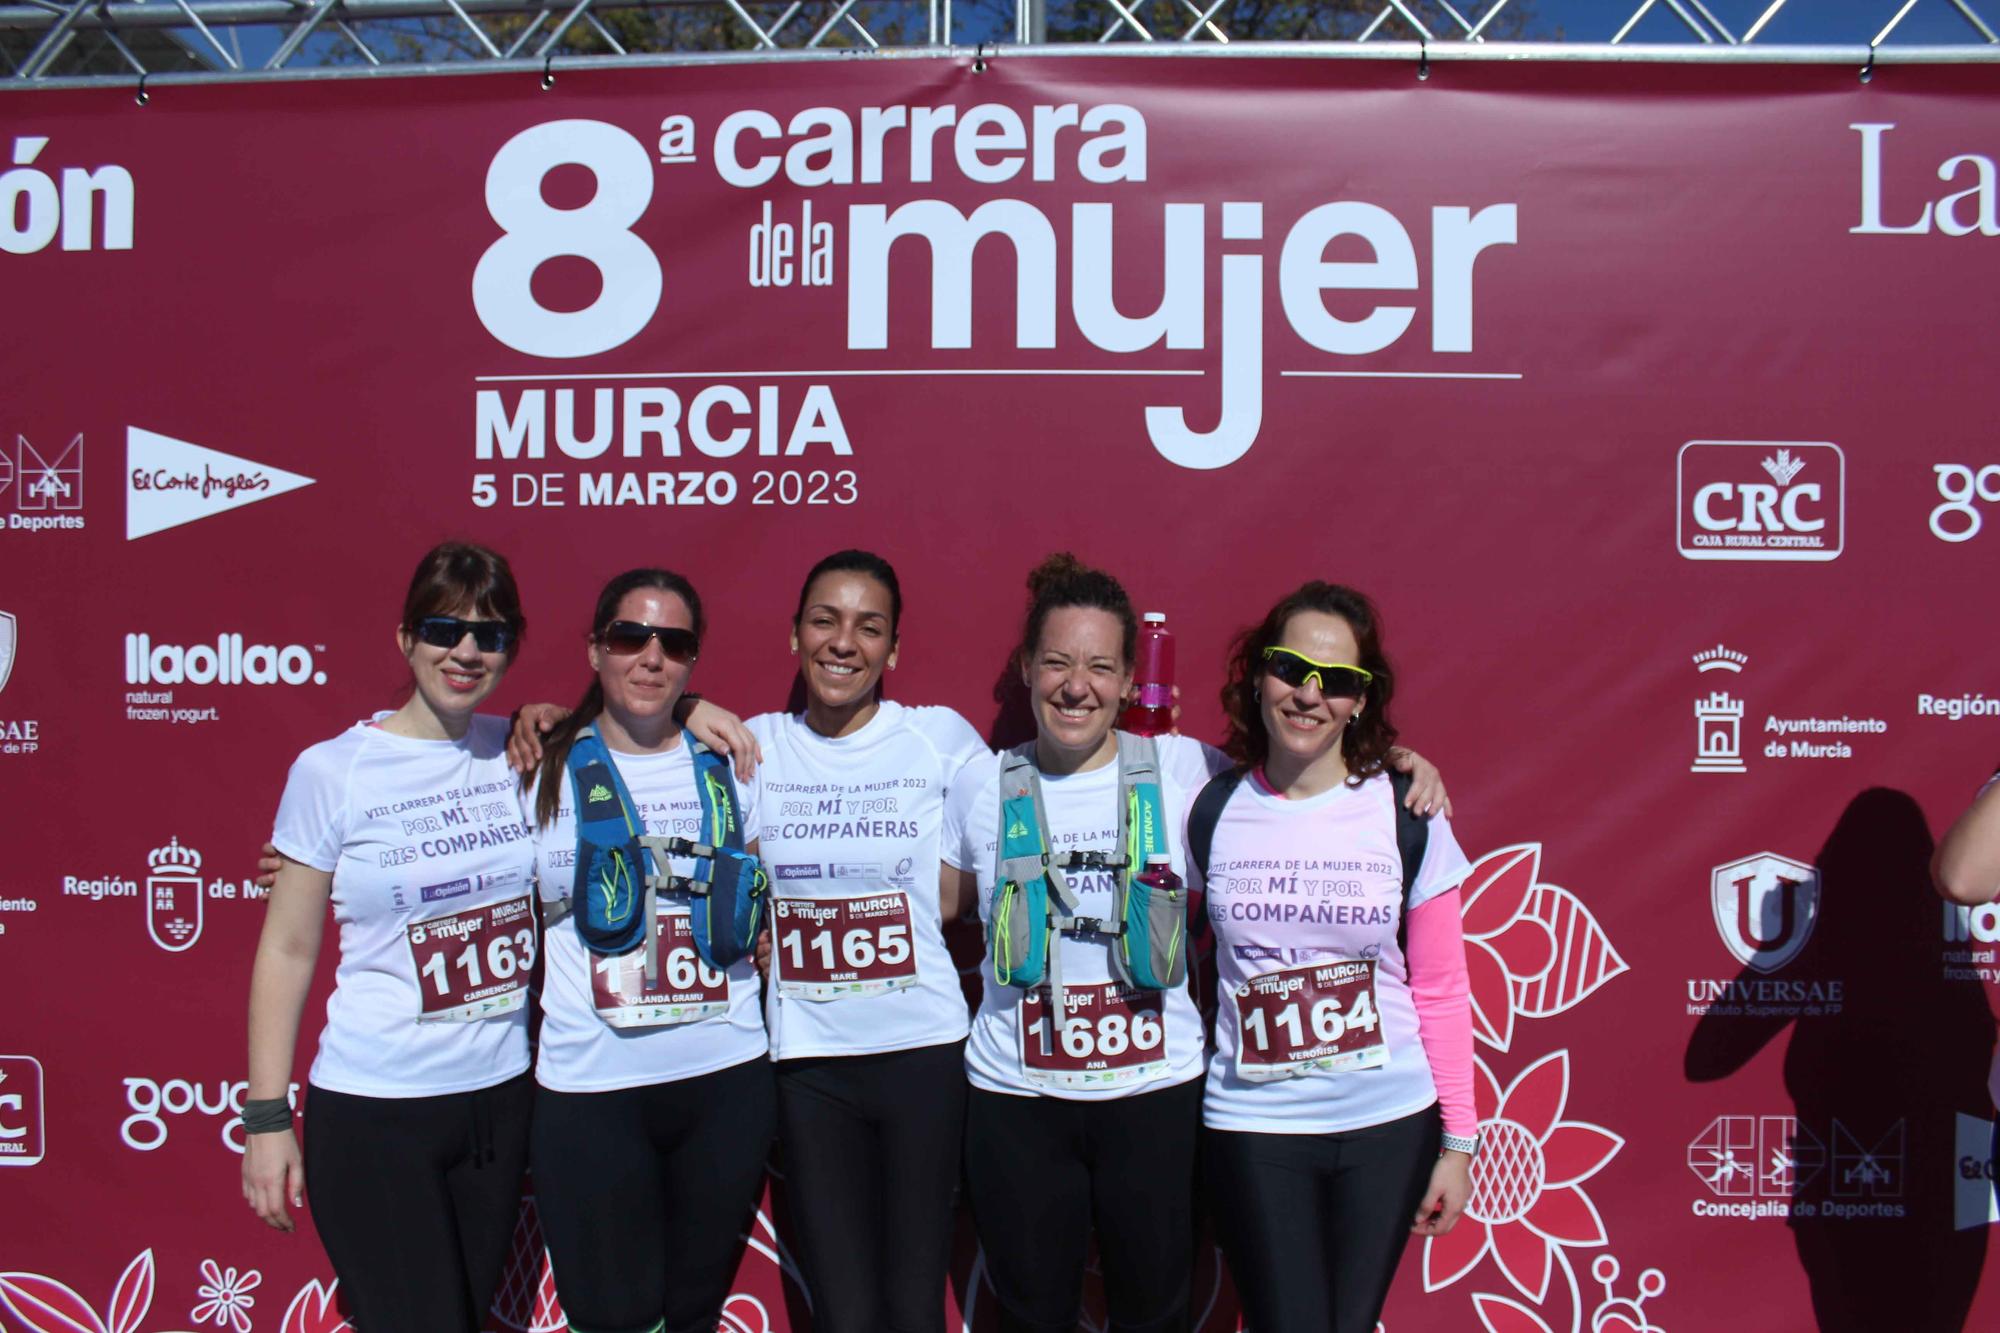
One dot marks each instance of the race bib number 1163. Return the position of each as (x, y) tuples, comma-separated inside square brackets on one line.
[(475, 963)]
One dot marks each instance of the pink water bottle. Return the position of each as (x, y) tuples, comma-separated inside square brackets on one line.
[(1152, 709)]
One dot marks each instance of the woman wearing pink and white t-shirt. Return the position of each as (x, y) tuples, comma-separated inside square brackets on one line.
[(1338, 1112)]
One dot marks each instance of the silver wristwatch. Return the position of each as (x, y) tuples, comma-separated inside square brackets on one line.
[(1465, 1143)]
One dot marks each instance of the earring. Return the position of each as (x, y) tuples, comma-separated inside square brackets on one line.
[(1257, 694)]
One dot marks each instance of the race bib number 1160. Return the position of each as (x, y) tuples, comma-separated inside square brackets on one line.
[(687, 990)]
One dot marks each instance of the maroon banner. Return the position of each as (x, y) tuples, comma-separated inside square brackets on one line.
[(1651, 402)]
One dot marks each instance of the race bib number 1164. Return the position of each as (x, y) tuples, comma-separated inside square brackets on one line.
[(1314, 1018)]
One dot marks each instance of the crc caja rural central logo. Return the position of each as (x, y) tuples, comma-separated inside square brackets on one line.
[(21, 1122), (1761, 500)]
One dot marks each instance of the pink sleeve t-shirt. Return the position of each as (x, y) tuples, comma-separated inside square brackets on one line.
[(1318, 1028)]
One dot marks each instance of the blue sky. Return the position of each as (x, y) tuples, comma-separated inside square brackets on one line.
[(1797, 22)]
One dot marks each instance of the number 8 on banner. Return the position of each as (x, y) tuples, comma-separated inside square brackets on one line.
[(598, 232)]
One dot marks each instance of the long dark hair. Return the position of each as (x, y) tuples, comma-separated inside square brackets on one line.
[(1061, 581), (866, 563), (555, 750), (1366, 740)]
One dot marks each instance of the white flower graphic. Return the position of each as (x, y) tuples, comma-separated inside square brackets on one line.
[(1528, 1200), (225, 1296)]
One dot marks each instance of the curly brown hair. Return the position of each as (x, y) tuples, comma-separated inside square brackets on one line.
[(1366, 741), (1062, 580)]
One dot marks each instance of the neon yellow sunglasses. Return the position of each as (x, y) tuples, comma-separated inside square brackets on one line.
[(1336, 680)]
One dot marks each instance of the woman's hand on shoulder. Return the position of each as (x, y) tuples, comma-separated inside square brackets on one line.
[(1445, 1197), (722, 731), (273, 1173), (1427, 793), (524, 742)]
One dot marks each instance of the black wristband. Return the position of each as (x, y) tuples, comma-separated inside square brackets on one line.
[(267, 1115)]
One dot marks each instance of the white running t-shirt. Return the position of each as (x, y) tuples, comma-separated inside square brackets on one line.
[(1127, 1044), (1305, 897), (431, 893), (708, 1020), (851, 827)]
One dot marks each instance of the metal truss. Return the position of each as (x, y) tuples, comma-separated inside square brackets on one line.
[(113, 40)]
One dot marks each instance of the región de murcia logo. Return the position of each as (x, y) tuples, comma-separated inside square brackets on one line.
[(173, 896)]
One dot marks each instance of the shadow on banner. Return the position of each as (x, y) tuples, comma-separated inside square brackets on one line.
[(1878, 1086)]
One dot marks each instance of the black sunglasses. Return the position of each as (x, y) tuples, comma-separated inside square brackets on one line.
[(623, 638), (491, 636)]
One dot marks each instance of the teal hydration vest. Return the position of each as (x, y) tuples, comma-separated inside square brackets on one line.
[(1032, 902), (621, 869)]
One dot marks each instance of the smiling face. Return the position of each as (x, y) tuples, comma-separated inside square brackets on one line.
[(844, 639), (1303, 723), (641, 689), (1077, 680), (453, 681)]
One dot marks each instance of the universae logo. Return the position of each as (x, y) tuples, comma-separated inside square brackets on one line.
[(1761, 500), (1765, 908)]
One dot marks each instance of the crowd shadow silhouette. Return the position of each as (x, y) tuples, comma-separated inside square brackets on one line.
[(1877, 1087)]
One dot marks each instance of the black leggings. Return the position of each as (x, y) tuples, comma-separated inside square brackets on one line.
[(645, 1193), (871, 1147), (1313, 1225), (415, 1199), (1042, 1170)]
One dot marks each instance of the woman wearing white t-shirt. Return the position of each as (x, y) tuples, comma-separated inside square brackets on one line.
[(1057, 1141), (866, 1016), (408, 827), (654, 1110), (1084, 1125), (1344, 1034)]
